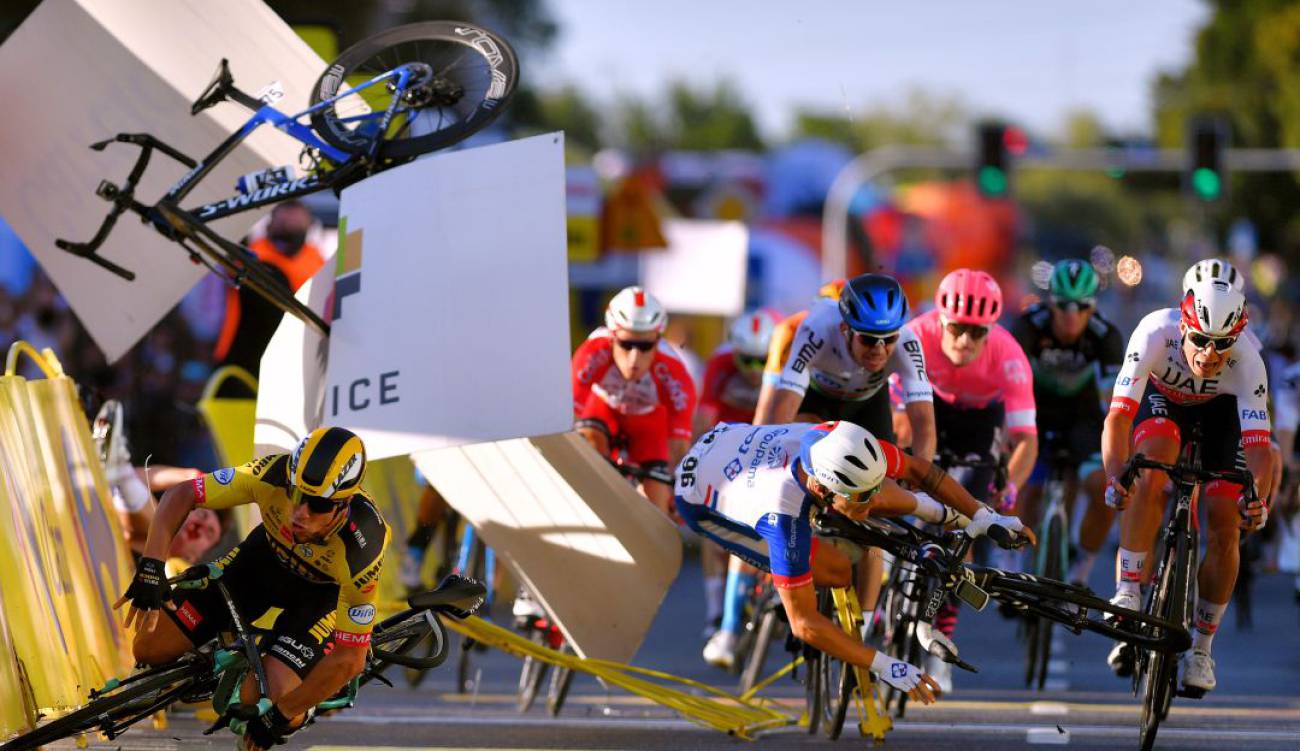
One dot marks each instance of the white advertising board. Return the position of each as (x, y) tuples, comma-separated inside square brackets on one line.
[(80, 71), (597, 555), (450, 322), (703, 269)]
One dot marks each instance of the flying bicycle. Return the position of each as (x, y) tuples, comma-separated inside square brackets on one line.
[(385, 100)]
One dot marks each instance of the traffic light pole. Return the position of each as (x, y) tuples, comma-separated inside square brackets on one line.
[(879, 162)]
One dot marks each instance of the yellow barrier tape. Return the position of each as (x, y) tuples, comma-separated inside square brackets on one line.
[(718, 710)]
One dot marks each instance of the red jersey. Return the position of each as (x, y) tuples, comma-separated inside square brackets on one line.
[(667, 384), (727, 396)]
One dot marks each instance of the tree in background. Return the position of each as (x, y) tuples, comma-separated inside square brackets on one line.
[(1245, 68)]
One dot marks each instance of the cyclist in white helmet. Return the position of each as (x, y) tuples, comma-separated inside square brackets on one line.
[(633, 398), (1184, 366), (752, 489)]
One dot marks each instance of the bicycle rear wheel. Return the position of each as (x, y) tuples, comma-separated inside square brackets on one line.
[(133, 697), (474, 74), (558, 691), (768, 622), (531, 674), (1040, 631)]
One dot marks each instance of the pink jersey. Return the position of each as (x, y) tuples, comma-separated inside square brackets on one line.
[(1000, 373), (726, 395), (667, 383)]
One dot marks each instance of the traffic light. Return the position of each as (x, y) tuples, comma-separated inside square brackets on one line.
[(1207, 140), (996, 143)]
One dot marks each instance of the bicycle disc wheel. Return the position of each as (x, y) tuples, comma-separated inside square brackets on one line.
[(753, 672), (531, 675), (473, 74), (558, 691), (109, 708)]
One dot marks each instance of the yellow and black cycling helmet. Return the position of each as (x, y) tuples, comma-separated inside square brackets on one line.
[(329, 463)]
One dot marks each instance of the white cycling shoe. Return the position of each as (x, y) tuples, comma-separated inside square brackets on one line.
[(1198, 672), (720, 652), (941, 672)]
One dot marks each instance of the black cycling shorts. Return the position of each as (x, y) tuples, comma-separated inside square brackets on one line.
[(873, 413), (303, 632), (1220, 426), (969, 433)]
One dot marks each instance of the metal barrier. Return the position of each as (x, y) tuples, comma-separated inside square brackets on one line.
[(63, 560)]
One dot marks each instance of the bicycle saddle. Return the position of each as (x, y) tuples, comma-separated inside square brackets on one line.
[(454, 591)]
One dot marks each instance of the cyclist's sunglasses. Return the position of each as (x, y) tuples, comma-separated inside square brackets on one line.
[(318, 505), (639, 346), (750, 362), (862, 498), (1081, 306), (871, 340), (1203, 342), (975, 330)]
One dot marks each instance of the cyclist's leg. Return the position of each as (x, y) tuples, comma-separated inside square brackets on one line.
[(166, 641), (1220, 450), (713, 562), (303, 634), (647, 448), (1158, 435), (1097, 519), (741, 578)]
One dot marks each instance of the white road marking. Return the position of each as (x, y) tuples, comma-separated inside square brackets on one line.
[(1053, 736), (1049, 708)]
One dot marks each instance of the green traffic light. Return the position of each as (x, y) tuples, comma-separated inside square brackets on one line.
[(1206, 184), (992, 181)]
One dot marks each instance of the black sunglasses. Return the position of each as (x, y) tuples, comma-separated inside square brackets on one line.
[(749, 362), (975, 330), (871, 340), (1201, 341), (318, 505), (1082, 306), (639, 346)]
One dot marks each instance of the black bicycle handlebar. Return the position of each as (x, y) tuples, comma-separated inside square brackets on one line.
[(1185, 475)]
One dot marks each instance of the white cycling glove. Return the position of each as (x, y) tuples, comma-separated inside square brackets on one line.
[(987, 517), (901, 675)]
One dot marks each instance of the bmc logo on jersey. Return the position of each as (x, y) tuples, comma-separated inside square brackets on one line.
[(806, 352), (362, 614)]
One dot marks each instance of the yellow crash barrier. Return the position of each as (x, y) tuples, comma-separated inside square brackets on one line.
[(717, 709), (63, 560)]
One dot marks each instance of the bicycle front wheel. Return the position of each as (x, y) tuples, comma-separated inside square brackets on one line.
[(470, 74), (134, 697)]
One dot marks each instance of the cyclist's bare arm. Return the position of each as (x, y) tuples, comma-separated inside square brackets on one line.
[(325, 679), (924, 440), (160, 477), (1116, 433), (815, 629), (1259, 460), (776, 406), (931, 479), (1024, 452), (176, 504)]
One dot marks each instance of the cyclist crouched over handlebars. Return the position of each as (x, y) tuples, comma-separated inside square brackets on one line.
[(752, 490), (1186, 366), (317, 555)]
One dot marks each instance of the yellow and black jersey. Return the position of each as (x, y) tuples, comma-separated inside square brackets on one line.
[(351, 555)]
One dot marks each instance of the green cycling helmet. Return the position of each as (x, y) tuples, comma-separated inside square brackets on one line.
[(1073, 280)]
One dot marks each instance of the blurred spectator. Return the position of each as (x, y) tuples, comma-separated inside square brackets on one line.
[(287, 252)]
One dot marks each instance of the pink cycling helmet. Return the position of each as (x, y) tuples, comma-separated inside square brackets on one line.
[(969, 296)]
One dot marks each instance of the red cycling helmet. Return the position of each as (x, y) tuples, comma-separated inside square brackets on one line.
[(969, 296)]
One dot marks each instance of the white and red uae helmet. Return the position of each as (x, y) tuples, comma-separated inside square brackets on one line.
[(751, 333)]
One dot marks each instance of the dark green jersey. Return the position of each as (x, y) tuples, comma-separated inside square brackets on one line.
[(1082, 369)]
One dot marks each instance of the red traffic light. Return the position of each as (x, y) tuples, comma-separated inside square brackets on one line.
[(1015, 140)]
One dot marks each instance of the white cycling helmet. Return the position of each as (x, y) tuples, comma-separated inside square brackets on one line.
[(1214, 308), (633, 309), (751, 333), (848, 460), (1214, 268)]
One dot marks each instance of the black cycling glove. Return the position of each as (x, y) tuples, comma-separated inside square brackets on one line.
[(149, 587), (271, 729)]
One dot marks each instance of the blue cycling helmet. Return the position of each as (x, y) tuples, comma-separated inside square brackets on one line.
[(873, 304)]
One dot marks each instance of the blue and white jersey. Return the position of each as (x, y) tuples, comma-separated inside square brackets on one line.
[(737, 485)]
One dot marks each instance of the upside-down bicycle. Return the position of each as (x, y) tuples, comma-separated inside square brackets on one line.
[(384, 101)]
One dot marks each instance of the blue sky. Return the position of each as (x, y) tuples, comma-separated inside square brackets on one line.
[(1030, 61)]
